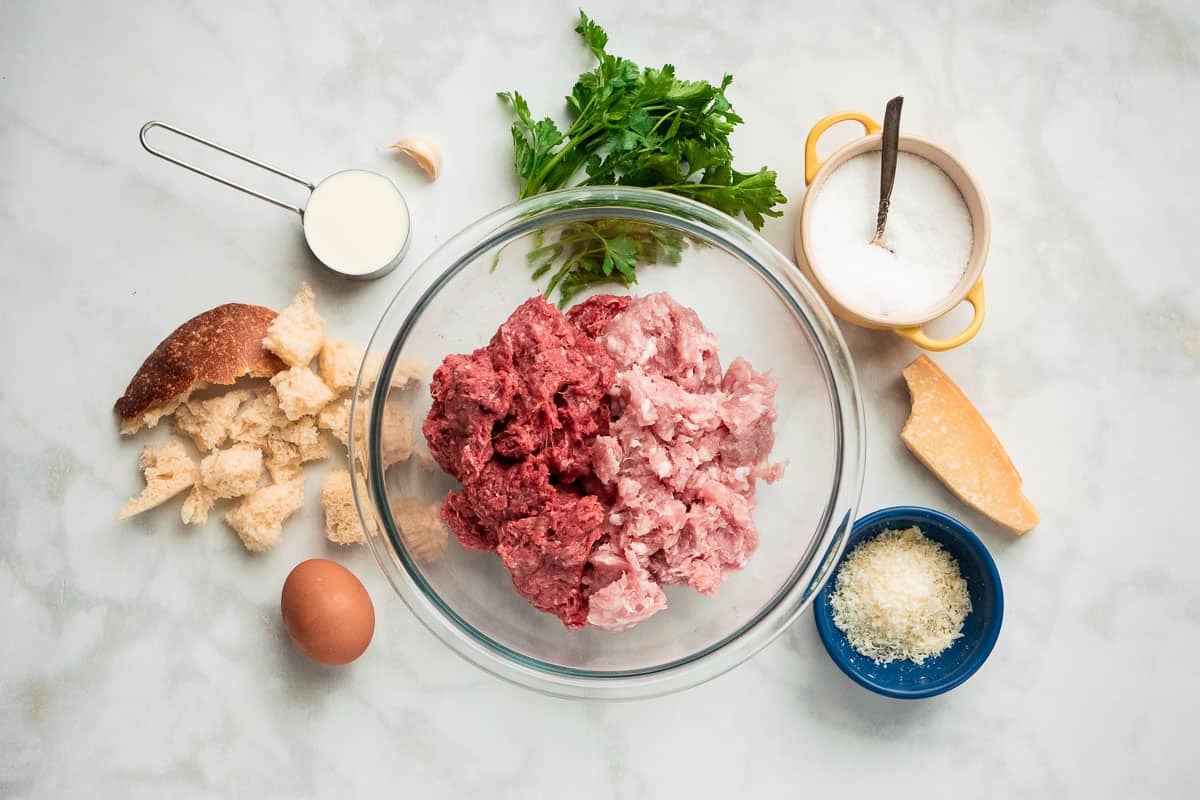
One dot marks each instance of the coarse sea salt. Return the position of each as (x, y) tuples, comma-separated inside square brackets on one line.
[(929, 234)]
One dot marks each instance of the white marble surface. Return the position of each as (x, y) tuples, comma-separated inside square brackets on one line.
[(142, 660)]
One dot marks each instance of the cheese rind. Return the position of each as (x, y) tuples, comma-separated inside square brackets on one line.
[(953, 440)]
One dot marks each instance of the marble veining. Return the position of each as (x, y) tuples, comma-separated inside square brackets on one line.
[(142, 660)]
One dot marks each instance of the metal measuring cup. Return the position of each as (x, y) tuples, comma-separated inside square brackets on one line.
[(399, 214)]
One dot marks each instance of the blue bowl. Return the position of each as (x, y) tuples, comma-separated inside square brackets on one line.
[(904, 679)]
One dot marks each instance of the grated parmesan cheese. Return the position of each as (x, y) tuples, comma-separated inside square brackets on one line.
[(899, 595)]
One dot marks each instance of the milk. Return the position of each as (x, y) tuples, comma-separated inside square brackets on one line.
[(356, 222)]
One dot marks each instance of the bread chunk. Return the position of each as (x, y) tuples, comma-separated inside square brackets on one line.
[(342, 524), (296, 335), (395, 435), (257, 419), (424, 533), (208, 422), (234, 472), (335, 418), (301, 392), (197, 505), (338, 364), (168, 469), (216, 347), (258, 519), (405, 370), (287, 448)]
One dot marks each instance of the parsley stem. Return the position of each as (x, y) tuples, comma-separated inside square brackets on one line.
[(535, 183), (688, 187)]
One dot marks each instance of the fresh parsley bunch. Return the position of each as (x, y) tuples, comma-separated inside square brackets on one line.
[(633, 127)]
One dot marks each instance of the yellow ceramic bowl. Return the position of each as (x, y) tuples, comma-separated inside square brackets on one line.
[(970, 286)]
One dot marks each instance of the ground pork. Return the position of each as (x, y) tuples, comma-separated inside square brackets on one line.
[(681, 460)]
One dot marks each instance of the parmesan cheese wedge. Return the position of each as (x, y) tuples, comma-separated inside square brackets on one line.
[(953, 440)]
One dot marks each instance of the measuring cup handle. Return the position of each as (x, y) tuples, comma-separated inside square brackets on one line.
[(916, 334), (149, 126), (811, 163)]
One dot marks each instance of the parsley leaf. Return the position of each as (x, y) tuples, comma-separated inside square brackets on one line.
[(632, 127)]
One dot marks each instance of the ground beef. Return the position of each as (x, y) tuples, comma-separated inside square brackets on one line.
[(593, 315), (514, 423), (603, 454)]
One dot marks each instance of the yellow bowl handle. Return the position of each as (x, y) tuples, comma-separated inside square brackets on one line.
[(811, 162), (916, 334)]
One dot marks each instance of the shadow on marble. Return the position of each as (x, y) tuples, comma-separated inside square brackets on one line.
[(305, 679)]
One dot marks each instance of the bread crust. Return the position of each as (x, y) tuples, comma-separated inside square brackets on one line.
[(216, 347)]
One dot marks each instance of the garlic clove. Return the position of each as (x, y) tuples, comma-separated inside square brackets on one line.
[(425, 153)]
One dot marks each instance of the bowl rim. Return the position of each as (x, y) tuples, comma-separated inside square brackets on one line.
[(831, 636), (832, 356)]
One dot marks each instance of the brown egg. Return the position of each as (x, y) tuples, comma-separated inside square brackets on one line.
[(327, 611)]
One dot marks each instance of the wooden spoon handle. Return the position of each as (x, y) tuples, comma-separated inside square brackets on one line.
[(887, 173)]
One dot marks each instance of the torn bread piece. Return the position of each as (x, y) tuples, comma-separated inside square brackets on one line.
[(342, 525), (335, 418), (953, 440), (301, 393), (340, 361), (395, 435), (405, 370), (304, 436), (338, 364), (216, 347), (168, 469), (257, 419), (421, 527), (425, 461), (408, 370), (293, 445), (258, 519), (395, 432), (197, 505), (296, 335), (234, 472), (283, 465), (208, 422)]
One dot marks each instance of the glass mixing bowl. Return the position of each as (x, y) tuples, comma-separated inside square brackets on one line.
[(759, 307)]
